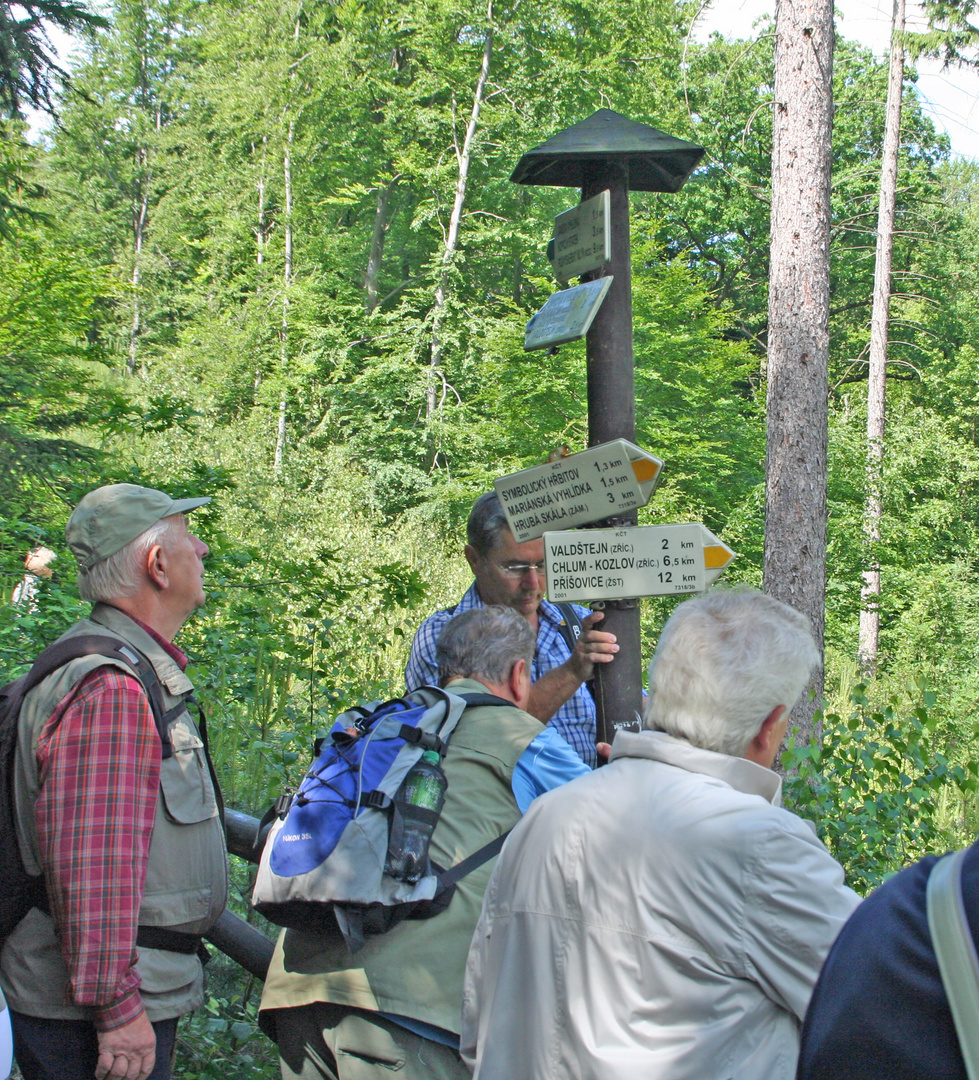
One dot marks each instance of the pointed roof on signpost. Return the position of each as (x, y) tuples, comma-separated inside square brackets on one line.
[(656, 161)]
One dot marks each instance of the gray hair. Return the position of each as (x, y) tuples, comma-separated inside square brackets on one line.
[(487, 521), (484, 643), (724, 661), (122, 574)]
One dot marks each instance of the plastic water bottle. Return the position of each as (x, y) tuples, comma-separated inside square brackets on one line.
[(418, 803)]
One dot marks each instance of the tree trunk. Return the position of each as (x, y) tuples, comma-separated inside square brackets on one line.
[(261, 239), (280, 430), (261, 225), (140, 212), (877, 373), (377, 244), (141, 208), (437, 386), (144, 48), (280, 427), (798, 322)]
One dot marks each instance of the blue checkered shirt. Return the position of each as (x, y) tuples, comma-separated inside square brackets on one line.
[(575, 720)]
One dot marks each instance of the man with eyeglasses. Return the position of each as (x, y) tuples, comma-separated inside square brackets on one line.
[(512, 574)]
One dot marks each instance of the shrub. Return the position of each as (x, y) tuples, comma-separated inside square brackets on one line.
[(873, 788)]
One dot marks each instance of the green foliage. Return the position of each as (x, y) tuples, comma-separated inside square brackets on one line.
[(50, 385), (221, 1040), (873, 786), (951, 35), (26, 630), (245, 209), (721, 225), (20, 192), (276, 665), (29, 68)]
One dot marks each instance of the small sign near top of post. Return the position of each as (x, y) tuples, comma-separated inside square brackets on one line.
[(582, 238), (566, 316)]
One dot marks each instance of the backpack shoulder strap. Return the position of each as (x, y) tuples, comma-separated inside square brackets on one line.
[(448, 878), (454, 874), (452, 706), (63, 652), (955, 953), (571, 630), (74, 648), (571, 626), (485, 699)]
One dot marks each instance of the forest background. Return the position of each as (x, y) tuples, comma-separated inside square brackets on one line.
[(233, 268)]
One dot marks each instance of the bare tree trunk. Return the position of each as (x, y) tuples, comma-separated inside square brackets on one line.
[(280, 432), (877, 374), (280, 428), (798, 321), (140, 213), (377, 244), (261, 225), (141, 196), (141, 208), (261, 238), (437, 386)]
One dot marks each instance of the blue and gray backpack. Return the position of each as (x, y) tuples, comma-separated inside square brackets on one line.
[(322, 866)]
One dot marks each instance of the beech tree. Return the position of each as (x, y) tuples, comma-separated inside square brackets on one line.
[(877, 369), (949, 34), (463, 156), (798, 321)]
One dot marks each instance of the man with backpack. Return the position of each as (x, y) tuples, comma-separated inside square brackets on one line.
[(567, 644), (395, 1004), (116, 805)]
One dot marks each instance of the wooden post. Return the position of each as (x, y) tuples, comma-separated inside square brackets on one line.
[(612, 415), (610, 151)]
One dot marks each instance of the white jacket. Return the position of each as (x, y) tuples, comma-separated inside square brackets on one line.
[(662, 917)]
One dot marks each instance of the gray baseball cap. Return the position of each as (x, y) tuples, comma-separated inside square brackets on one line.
[(110, 517)]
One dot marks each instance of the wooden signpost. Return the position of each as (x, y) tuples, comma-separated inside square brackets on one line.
[(608, 152)]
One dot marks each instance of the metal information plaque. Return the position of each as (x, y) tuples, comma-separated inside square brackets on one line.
[(616, 564), (566, 315), (582, 238), (579, 489)]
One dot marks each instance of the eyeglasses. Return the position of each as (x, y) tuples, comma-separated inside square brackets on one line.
[(517, 570)]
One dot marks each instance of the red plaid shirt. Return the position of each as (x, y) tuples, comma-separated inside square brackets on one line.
[(98, 761)]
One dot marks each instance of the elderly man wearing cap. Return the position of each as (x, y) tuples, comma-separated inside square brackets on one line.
[(118, 806)]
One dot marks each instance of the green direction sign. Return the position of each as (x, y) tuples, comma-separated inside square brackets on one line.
[(566, 316), (588, 486), (617, 564), (582, 238)]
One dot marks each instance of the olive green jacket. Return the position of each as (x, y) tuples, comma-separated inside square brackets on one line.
[(416, 969)]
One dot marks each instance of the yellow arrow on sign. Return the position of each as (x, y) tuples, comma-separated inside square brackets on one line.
[(645, 469), (716, 555)]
